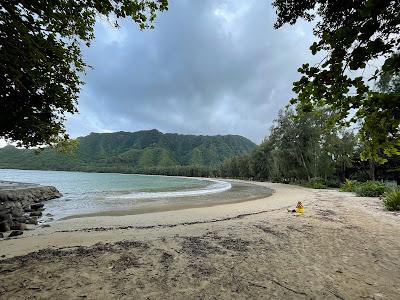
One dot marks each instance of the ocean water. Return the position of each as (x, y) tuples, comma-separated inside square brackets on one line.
[(85, 193)]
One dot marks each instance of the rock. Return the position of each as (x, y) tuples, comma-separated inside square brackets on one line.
[(19, 226), (4, 226), (6, 217), (1, 235), (36, 206), (45, 225), (36, 214), (32, 220), (17, 212), (21, 203), (16, 233), (5, 210), (20, 220)]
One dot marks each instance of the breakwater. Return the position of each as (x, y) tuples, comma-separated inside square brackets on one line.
[(22, 203)]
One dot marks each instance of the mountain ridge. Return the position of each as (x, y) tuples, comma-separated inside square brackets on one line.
[(132, 152)]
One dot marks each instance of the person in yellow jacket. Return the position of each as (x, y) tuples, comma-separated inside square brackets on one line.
[(299, 208)]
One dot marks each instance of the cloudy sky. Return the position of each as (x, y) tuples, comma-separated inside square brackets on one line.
[(209, 67)]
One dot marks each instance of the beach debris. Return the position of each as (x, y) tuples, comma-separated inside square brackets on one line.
[(127, 245), (166, 259), (236, 244), (16, 233), (124, 262), (197, 246)]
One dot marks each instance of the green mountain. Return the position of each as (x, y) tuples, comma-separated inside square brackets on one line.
[(147, 151)]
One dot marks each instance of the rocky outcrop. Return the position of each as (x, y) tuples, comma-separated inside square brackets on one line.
[(21, 204)]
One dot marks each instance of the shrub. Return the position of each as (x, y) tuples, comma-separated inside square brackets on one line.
[(349, 185), (370, 189), (333, 183), (316, 183), (391, 199)]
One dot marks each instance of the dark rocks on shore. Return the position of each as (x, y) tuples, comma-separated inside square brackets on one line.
[(18, 226), (15, 233), (36, 214), (6, 218), (20, 219), (32, 220), (1, 235), (4, 226), (36, 206), (21, 204)]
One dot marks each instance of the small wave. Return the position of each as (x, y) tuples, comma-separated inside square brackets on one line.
[(216, 187)]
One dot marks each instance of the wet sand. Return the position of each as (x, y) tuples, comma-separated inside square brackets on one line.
[(239, 192), (343, 247)]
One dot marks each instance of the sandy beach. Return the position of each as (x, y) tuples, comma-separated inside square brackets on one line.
[(342, 247)]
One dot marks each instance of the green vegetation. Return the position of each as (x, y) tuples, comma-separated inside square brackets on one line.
[(41, 60), (298, 150), (303, 149), (370, 189), (349, 186), (391, 199), (149, 152), (364, 189), (352, 36), (316, 183)]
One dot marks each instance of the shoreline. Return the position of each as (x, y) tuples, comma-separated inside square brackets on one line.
[(53, 236), (238, 192), (341, 247)]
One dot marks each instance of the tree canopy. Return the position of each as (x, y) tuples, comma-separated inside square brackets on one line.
[(40, 54), (305, 149), (352, 35)]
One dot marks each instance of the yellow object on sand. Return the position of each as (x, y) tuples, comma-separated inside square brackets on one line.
[(299, 207)]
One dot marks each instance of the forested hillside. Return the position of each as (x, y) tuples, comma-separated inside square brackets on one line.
[(144, 152)]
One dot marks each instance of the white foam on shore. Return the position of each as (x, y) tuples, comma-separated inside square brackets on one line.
[(217, 186)]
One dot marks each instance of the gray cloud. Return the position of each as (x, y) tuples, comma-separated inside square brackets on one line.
[(209, 67)]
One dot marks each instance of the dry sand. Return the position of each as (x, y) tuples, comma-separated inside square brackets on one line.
[(343, 247)]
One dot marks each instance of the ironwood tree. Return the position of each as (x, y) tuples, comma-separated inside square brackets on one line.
[(352, 37)]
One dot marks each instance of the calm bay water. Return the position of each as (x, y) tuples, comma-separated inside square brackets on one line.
[(95, 192)]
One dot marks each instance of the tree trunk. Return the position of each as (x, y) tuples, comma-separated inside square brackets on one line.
[(304, 164), (371, 169)]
